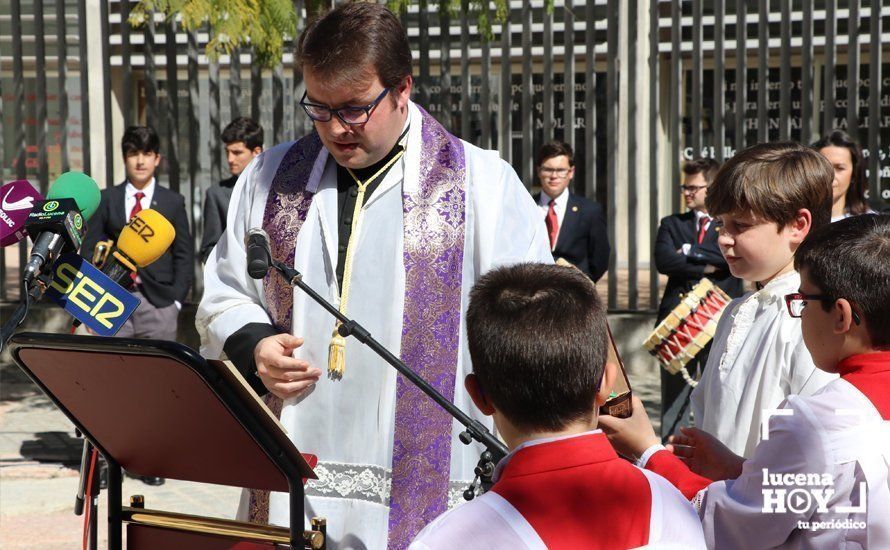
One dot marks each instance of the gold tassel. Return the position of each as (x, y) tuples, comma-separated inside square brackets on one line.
[(336, 356)]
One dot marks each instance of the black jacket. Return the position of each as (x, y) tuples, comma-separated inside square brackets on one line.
[(169, 278), (583, 239), (685, 271), (216, 208)]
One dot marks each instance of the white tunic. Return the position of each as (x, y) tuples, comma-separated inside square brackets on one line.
[(350, 424), (836, 435), (757, 359)]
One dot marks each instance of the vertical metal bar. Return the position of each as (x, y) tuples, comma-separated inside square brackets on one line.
[(505, 106), (235, 84), (654, 164), (278, 104), (718, 122), (126, 66), (528, 119), (18, 106), (785, 73), (547, 77), (84, 84), (676, 98), (445, 67), (40, 68), (151, 79), (874, 102), (697, 48), (213, 141), (106, 85), (828, 72), (18, 94), (741, 76), (62, 57), (569, 74), (256, 88), (423, 95), (590, 100), (632, 155), (172, 86), (806, 74), (465, 86), (612, 22), (485, 92), (194, 124), (853, 70), (763, 71), (298, 75)]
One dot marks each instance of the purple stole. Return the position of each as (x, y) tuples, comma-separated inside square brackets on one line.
[(433, 241)]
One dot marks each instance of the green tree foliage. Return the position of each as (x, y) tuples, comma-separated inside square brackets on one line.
[(264, 25)]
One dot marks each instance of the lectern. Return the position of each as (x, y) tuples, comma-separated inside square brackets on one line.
[(159, 409)]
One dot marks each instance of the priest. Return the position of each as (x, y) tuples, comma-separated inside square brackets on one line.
[(392, 219)]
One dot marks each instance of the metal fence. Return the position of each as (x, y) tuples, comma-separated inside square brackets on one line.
[(634, 86)]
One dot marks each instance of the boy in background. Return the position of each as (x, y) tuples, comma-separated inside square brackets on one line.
[(537, 337)]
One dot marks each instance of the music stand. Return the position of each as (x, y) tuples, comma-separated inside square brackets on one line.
[(158, 408)]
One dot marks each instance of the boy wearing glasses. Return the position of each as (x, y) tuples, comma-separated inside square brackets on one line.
[(686, 251), (820, 478), (576, 226), (391, 219)]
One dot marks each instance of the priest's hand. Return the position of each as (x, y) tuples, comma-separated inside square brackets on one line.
[(282, 374), (705, 455), (630, 436)]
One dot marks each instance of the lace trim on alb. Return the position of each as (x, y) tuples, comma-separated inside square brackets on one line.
[(364, 482)]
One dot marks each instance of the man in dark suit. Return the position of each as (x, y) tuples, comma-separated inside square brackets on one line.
[(686, 251), (244, 140), (576, 225), (162, 286)]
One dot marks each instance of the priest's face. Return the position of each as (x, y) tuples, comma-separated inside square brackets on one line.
[(378, 115)]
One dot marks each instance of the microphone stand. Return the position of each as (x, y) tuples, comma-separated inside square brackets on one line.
[(30, 293), (495, 450)]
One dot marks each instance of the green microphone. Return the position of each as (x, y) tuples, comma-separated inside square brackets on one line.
[(58, 223)]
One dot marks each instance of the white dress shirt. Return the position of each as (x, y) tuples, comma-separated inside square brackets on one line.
[(130, 199), (687, 247), (757, 359)]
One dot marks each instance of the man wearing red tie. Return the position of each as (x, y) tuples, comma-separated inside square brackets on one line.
[(162, 286), (686, 251), (576, 225)]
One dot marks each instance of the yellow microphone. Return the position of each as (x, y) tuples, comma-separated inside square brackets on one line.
[(143, 240)]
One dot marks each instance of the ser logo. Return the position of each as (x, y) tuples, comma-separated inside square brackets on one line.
[(141, 228), (86, 294), (90, 296)]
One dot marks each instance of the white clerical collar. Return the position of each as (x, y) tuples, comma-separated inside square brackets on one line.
[(560, 201), (532, 442)]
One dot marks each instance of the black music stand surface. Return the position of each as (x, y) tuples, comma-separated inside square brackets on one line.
[(159, 409)]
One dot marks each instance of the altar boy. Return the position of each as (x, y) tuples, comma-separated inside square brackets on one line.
[(820, 478), (537, 338)]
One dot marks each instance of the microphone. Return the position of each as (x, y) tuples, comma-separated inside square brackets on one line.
[(57, 223), (144, 239), (17, 199), (259, 255)]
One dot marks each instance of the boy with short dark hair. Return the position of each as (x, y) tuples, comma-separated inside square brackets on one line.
[(538, 341), (765, 200), (821, 478)]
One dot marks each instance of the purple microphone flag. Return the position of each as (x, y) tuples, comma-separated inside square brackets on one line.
[(17, 198)]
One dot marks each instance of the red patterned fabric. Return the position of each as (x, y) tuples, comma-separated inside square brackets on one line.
[(702, 228), (552, 222)]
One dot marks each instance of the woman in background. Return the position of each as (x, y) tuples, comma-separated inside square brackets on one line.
[(848, 189)]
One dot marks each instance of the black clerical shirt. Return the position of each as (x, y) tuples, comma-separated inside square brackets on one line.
[(347, 193)]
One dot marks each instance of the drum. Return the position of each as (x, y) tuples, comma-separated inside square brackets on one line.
[(688, 328)]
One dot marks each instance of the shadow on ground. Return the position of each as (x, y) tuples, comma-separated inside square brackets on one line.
[(54, 447)]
